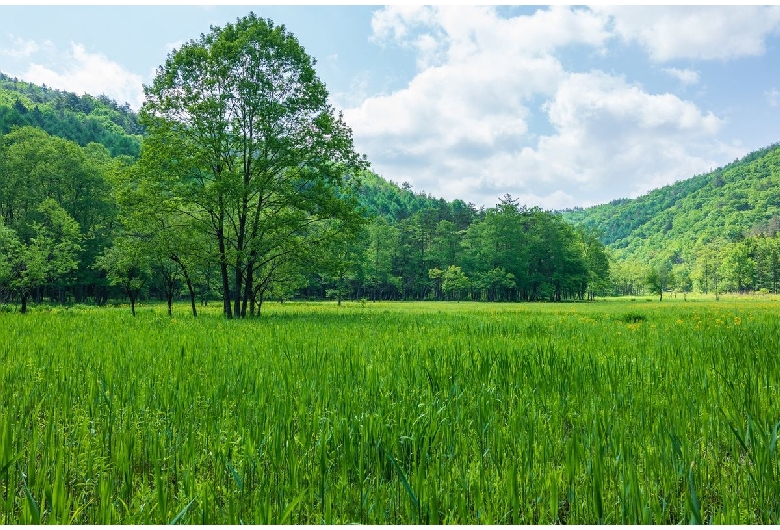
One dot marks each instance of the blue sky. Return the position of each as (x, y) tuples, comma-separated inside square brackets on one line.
[(558, 106)]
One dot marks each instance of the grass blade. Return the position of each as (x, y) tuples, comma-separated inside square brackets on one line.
[(36, 511), (236, 477), (182, 513), (405, 483), (694, 500), (7, 466)]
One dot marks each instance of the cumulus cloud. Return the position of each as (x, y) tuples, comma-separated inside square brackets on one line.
[(700, 32), (451, 34), (684, 76), (19, 48), (612, 135), (462, 128), (77, 70)]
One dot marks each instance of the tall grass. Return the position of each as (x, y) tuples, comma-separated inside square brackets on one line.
[(393, 413)]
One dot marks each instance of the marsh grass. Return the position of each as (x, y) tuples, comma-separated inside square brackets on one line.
[(393, 413)]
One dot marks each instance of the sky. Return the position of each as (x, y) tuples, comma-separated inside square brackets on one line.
[(557, 106)]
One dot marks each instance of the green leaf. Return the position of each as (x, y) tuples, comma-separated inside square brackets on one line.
[(182, 513), (36, 511), (693, 503), (404, 482)]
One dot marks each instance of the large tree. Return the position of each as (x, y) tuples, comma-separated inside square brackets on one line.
[(48, 254), (251, 149), (35, 167)]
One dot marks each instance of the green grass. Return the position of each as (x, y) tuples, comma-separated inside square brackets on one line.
[(617, 412)]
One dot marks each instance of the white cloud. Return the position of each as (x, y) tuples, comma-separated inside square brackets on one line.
[(684, 76), (701, 32), (773, 97), (171, 46), (611, 135), (452, 34), (394, 23), (463, 127), (20, 48), (82, 72)]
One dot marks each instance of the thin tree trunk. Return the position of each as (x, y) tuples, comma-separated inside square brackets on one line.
[(247, 286), (189, 284), (223, 269)]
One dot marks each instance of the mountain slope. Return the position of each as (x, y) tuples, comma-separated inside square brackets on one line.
[(737, 200), (81, 119), (742, 198)]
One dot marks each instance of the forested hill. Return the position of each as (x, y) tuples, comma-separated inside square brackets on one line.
[(87, 218), (388, 200), (728, 204), (81, 119)]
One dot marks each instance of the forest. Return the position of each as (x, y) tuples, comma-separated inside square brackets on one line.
[(712, 233), (237, 184), (99, 204)]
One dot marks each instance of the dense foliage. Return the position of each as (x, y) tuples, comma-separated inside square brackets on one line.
[(713, 232), (57, 214), (81, 119), (417, 247), (246, 187), (738, 199), (611, 412), (256, 212)]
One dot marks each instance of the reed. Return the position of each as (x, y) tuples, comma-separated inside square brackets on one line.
[(612, 412)]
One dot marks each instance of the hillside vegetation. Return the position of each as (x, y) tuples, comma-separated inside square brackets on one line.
[(87, 215), (712, 232), (81, 119), (732, 202)]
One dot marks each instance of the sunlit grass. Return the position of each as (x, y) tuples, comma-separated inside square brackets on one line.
[(620, 412)]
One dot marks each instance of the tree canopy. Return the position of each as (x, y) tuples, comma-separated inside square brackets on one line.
[(241, 136)]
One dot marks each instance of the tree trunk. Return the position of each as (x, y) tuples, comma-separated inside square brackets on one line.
[(223, 268), (192, 292), (23, 309), (247, 287), (238, 284)]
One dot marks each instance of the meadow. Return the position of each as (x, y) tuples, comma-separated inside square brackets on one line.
[(606, 412)]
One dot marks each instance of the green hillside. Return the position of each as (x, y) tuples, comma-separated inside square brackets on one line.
[(702, 233), (60, 152), (81, 119), (730, 203)]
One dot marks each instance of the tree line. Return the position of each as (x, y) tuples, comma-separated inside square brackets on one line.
[(83, 119), (453, 251), (247, 187), (748, 265), (78, 225)]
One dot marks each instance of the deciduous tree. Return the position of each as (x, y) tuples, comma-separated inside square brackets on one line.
[(250, 144)]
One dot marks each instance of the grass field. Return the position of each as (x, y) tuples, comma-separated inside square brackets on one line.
[(616, 412)]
